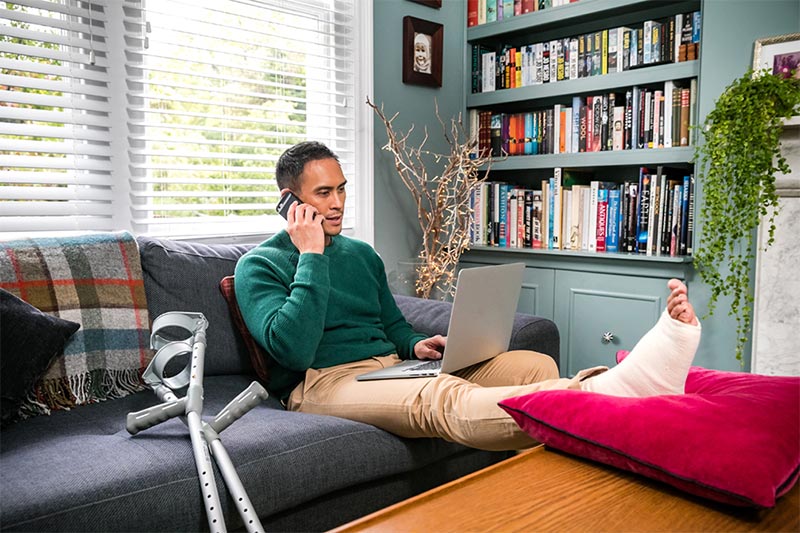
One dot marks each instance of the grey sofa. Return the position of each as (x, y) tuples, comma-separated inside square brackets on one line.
[(80, 470)]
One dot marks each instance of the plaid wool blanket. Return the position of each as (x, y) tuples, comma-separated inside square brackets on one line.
[(96, 281)]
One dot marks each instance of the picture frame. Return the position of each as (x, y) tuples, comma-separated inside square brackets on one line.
[(422, 52), (780, 54), (437, 4)]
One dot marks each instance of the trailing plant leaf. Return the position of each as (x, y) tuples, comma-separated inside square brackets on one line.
[(739, 159)]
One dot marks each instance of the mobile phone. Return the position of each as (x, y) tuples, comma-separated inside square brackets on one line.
[(285, 202)]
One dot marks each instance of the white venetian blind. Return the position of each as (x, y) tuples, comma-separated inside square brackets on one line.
[(55, 170), (217, 90)]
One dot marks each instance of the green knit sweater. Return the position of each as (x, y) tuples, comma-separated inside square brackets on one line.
[(319, 310)]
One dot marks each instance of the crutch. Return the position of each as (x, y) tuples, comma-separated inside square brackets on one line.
[(204, 436)]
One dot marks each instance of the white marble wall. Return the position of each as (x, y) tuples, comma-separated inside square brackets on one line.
[(776, 327)]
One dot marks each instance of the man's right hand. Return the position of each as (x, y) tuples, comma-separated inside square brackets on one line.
[(305, 229)]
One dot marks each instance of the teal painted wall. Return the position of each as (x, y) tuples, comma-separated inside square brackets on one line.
[(397, 233), (730, 28)]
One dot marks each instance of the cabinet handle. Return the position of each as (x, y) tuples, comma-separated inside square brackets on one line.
[(608, 337)]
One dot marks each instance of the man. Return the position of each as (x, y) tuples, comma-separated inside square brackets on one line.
[(319, 304)]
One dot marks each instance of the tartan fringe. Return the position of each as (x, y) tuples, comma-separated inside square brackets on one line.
[(70, 391)]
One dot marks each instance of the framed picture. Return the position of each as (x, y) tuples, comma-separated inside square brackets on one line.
[(430, 3), (779, 54), (422, 52)]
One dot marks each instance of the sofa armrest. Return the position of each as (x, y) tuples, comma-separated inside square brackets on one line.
[(530, 332)]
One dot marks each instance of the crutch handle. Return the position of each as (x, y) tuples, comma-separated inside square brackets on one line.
[(246, 400), (147, 418)]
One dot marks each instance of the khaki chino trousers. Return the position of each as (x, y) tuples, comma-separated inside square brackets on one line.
[(460, 407)]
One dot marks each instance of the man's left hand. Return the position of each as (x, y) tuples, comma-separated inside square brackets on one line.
[(430, 348)]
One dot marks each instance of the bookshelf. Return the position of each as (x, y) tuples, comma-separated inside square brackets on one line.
[(588, 294), (592, 296)]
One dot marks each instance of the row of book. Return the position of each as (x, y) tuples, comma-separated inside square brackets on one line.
[(639, 118), (483, 11), (651, 216), (669, 40)]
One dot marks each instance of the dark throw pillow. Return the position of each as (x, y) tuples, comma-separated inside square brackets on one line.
[(29, 341), (258, 357)]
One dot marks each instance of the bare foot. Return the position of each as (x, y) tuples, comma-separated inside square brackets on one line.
[(678, 304)]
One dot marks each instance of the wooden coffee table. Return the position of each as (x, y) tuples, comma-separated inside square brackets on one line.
[(545, 490)]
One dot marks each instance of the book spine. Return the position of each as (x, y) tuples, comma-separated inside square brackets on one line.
[(651, 215), (546, 214), (690, 220), (472, 13), (643, 211), (594, 187), (684, 125), (604, 105), (602, 219), (676, 221), (632, 213), (536, 220), (576, 125), (527, 239), (502, 240), (556, 204), (682, 249), (612, 227)]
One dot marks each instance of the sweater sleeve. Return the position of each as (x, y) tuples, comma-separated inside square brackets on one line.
[(398, 330), (285, 313)]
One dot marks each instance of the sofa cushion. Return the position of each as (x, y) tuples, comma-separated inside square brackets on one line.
[(258, 357), (94, 280), (82, 471), (29, 341), (185, 276), (732, 437)]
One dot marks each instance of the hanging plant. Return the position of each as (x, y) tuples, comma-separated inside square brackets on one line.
[(739, 159)]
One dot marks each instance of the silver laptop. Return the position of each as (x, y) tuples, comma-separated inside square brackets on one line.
[(480, 323)]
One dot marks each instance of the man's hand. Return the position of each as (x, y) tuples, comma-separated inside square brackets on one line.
[(305, 229), (430, 348)]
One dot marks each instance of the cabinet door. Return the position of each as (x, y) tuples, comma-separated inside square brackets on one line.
[(598, 314), (538, 292)]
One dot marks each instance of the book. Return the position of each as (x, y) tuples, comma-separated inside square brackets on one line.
[(618, 132), (502, 240), (594, 187), (632, 202), (651, 216), (496, 135), (612, 226), (602, 218), (668, 112), (536, 220), (577, 226), (546, 214), (675, 229), (684, 122), (472, 13), (683, 241), (643, 211), (527, 220), (512, 221), (583, 224), (555, 213), (690, 220)]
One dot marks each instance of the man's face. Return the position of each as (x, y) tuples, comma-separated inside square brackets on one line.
[(322, 185)]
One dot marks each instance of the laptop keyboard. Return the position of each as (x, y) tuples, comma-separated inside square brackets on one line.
[(428, 365)]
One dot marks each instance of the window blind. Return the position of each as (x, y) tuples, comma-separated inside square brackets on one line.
[(55, 170), (216, 91)]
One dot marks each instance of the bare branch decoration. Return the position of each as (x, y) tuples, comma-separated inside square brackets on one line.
[(443, 202)]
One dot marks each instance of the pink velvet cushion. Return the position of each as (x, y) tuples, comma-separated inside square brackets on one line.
[(733, 437)]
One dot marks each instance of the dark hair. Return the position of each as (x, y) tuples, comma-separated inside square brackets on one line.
[(292, 162)]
